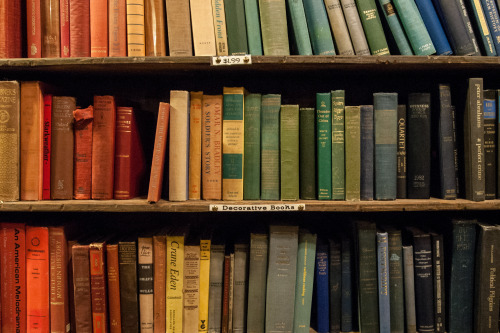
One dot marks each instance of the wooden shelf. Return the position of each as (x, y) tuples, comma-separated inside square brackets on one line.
[(141, 205)]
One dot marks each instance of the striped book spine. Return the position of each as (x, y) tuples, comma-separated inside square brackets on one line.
[(135, 28)]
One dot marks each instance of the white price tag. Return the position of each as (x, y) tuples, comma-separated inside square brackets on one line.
[(245, 59), (278, 207)]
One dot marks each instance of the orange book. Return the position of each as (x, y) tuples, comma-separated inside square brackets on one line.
[(82, 156), (37, 279), (10, 29), (103, 147), (98, 28), (51, 35), (64, 23), (117, 28), (79, 28), (158, 163), (59, 297), (155, 28), (34, 29), (113, 270), (98, 287)]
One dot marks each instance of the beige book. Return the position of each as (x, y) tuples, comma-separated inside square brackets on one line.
[(219, 16), (179, 28), (179, 143), (203, 27), (145, 275), (191, 288), (195, 145), (136, 40)]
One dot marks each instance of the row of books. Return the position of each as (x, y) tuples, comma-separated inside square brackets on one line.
[(84, 28), (287, 280)]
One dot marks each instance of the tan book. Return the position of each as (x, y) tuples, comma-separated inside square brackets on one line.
[(179, 145), (211, 148), (31, 141), (195, 146), (135, 28), (179, 28), (203, 28), (159, 279), (191, 288), (145, 284), (51, 36), (155, 28), (219, 16)]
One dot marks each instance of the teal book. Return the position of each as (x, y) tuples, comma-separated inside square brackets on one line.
[(236, 27), (289, 144), (307, 153), (386, 130), (395, 27), (251, 162), (305, 280), (298, 25), (253, 27), (257, 279), (338, 151), (414, 26), (373, 27), (270, 147), (319, 27), (324, 145), (352, 153)]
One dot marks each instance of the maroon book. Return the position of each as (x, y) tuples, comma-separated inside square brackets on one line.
[(47, 130)]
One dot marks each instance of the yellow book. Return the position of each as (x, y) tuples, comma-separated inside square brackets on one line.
[(232, 143), (195, 145), (175, 283), (136, 40), (191, 288), (204, 284)]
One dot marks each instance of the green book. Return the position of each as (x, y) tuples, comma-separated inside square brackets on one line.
[(352, 153), (257, 279), (324, 144), (251, 162), (270, 148), (236, 27), (373, 27), (298, 27), (289, 143), (253, 27), (274, 27), (307, 153), (338, 157), (305, 279)]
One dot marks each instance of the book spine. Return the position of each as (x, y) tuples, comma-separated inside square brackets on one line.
[(34, 33), (159, 151), (339, 27), (289, 151), (81, 283), (396, 286), (219, 16), (424, 298), (98, 28), (136, 39), (439, 285), (211, 148), (129, 307), (431, 20), (338, 148), (419, 138), (335, 283), (352, 153), (58, 260), (215, 288), (367, 152), (71, 286), (98, 287), (64, 27), (270, 149), (175, 283), (383, 282), (307, 153), (274, 27), (489, 144), (11, 26), (355, 27), (240, 287), (145, 284), (113, 275), (203, 28), (373, 27), (401, 153), (257, 275), (319, 28), (395, 27), (386, 145), (79, 28), (51, 34), (322, 294), (195, 146), (225, 294), (253, 27), (498, 140), (204, 284), (236, 27), (191, 290), (455, 151), (446, 154), (231, 294), (154, 28), (117, 28), (493, 18), (324, 145), (82, 156), (159, 284), (298, 24), (179, 146), (252, 114), (179, 28), (482, 29), (409, 284), (346, 285), (47, 136)]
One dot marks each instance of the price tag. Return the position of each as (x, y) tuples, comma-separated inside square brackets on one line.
[(245, 59), (258, 208)]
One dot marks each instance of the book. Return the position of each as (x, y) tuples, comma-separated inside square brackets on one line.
[(215, 287), (355, 26), (179, 28), (113, 280), (159, 283), (117, 28), (99, 28), (205, 244), (372, 26), (396, 285), (458, 182), (241, 251), (225, 294), (130, 164), (81, 283), (481, 27), (385, 107), (98, 288), (298, 27), (194, 181), (498, 155), (175, 283), (236, 27), (319, 28), (274, 27), (10, 30), (145, 284), (367, 152), (409, 284), (446, 146), (352, 153), (58, 279), (136, 39), (154, 28), (324, 145), (493, 18), (202, 24), (418, 143), (251, 162), (322, 288), (307, 153), (395, 26), (338, 145), (434, 27), (178, 174), (34, 29), (439, 284), (335, 283), (129, 307), (384, 290), (103, 147), (159, 151), (489, 114), (47, 139), (339, 27), (211, 148), (219, 16), (71, 287), (51, 34), (79, 28), (257, 280), (270, 147), (253, 27), (191, 289), (347, 298), (289, 152)]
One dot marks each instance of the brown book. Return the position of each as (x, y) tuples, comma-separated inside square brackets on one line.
[(117, 28), (211, 148), (113, 270), (33, 29), (82, 163), (158, 163), (47, 140), (195, 145), (31, 140), (64, 24), (71, 286), (98, 28), (10, 29), (98, 292), (129, 156), (59, 298), (51, 35), (127, 256), (179, 28), (81, 283), (159, 280), (103, 147), (9, 140), (79, 27), (154, 13), (61, 159)]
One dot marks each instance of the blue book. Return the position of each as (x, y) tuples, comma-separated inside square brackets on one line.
[(367, 150), (384, 300), (446, 146), (481, 27), (322, 289), (396, 28), (491, 12), (346, 284), (298, 25), (434, 27), (319, 27)]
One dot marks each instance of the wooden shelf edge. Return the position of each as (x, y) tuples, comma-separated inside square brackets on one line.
[(141, 205)]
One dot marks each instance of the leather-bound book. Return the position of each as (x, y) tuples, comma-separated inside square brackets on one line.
[(82, 156), (113, 272), (79, 28), (59, 298), (129, 156), (154, 21), (103, 147), (64, 27), (51, 35), (33, 29), (98, 28), (117, 28), (61, 171), (10, 29), (157, 165), (47, 139)]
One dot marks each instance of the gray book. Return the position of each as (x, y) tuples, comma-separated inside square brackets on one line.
[(240, 287), (257, 281), (215, 288), (280, 297), (409, 283)]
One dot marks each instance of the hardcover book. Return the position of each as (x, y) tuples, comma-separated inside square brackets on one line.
[(47, 142), (490, 115), (240, 287), (117, 28), (10, 30), (33, 27), (98, 288), (352, 153), (252, 114), (205, 245), (298, 27), (439, 284), (409, 283), (322, 289), (401, 153), (154, 28), (319, 28), (307, 153), (81, 283), (257, 279), (159, 151), (324, 145), (145, 284), (396, 286), (159, 284), (236, 27), (338, 145), (79, 28), (355, 27), (253, 27), (175, 283), (194, 181), (395, 26), (348, 299), (58, 280), (215, 288), (339, 27), (270, 149), (289, 152), (384, 290), (274, 27), (211, 148), (191, 288), (203, 27), (366, 152), (486, 39), (82, 155), (220, 30), (373, 27), (51, 34), (179, 28), (335, 283), (99, 28), (433, 25), (113, 275), (446, 145), (127, 258), (136, 39)]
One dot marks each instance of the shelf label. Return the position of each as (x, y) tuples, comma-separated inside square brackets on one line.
[(258, 208), (245, 59)]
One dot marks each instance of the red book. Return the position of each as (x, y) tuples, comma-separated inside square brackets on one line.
[(113, 270), (10, 29), (79, 28), (98, 287), (37, 279), (47, 129), (83, 153), (34, 28), (129, 156), (117, 25), (98, 28), (59, 297), (13, 277), (157, 165), (64, 23), (103, 147)]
